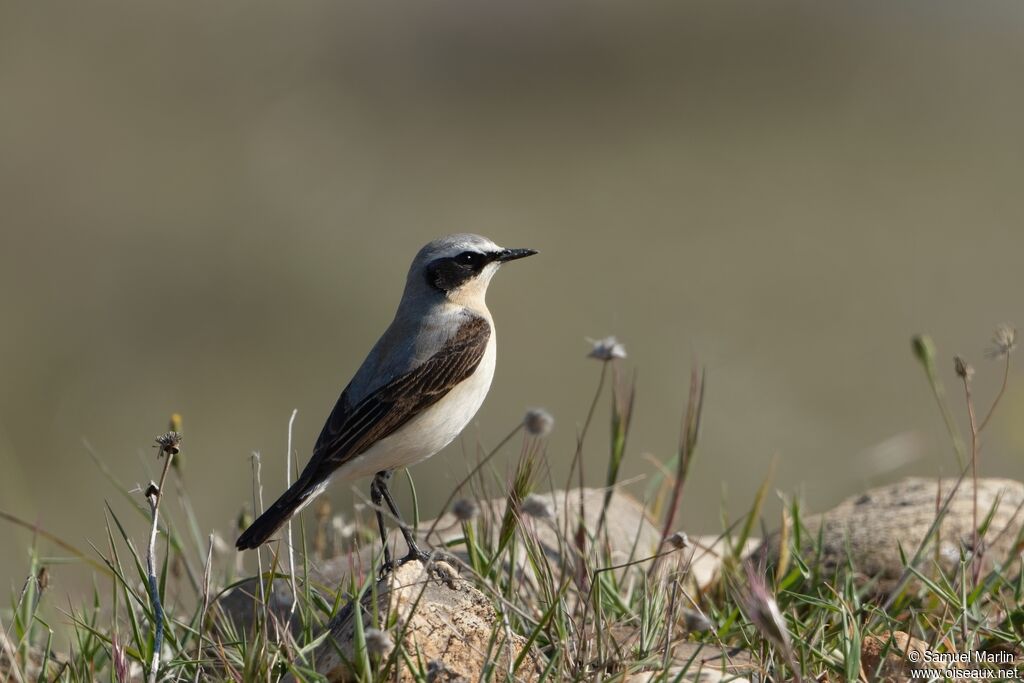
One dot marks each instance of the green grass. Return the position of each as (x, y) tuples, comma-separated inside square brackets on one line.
[(585, 615)]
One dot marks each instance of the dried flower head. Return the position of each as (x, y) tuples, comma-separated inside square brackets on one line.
[(169, 442), (536, 506), (679, 540), (378, 642), (43, 578), (963, 368), (538, 422), (606, 349), (465, 509), (1004, 341)]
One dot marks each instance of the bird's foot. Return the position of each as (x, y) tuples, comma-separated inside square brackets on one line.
[(420, 556), (431, 558), (389, 566), (439, 564)]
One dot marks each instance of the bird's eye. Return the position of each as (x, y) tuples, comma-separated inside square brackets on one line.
[(469, 258)]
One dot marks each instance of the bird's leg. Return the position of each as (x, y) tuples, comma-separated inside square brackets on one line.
[(381, 480), (377, 497)]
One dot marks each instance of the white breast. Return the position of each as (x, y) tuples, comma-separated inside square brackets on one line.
[(431, 430)]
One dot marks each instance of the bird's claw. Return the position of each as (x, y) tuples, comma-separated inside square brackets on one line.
[(428, 560)]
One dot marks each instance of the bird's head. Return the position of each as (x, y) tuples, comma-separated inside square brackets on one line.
[(459, 267)]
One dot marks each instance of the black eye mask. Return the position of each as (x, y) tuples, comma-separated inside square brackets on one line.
[(451, 273)]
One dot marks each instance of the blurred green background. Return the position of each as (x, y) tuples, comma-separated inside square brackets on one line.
[(210, 207)]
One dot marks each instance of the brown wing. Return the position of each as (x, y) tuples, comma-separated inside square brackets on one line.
[(350, 430)]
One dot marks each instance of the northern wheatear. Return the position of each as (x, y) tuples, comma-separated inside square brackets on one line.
[(420, 386)]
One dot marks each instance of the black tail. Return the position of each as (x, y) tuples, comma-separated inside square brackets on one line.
[(260, 531)]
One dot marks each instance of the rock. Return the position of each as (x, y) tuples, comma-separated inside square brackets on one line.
[(872, 526), (903, 653), (630, 532), (447, 621), (453, 622), (237, 607), (686, 675), (705, 560), (896, 648), (703, 663)]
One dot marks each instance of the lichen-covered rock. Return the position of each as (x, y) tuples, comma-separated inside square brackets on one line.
[(453, 621), (871, 527), (452, 626), (631, 535)]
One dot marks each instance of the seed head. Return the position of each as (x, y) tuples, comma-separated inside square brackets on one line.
[(538, 422), (763, 611), (465, 509), (536, 506), (678, 540), (43, 578), (378, 642), (122, 673), (606, 349), (169, 443), (963, 368), (1004, 340)]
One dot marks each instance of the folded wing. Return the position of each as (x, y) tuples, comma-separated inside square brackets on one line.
[(351, 430)]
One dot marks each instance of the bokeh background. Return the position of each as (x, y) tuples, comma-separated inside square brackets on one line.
[(210, 207)]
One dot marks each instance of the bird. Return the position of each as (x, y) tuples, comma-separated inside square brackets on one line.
[(420, 385)]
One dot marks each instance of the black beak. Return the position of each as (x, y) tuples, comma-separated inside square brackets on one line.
[(513, 254)]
